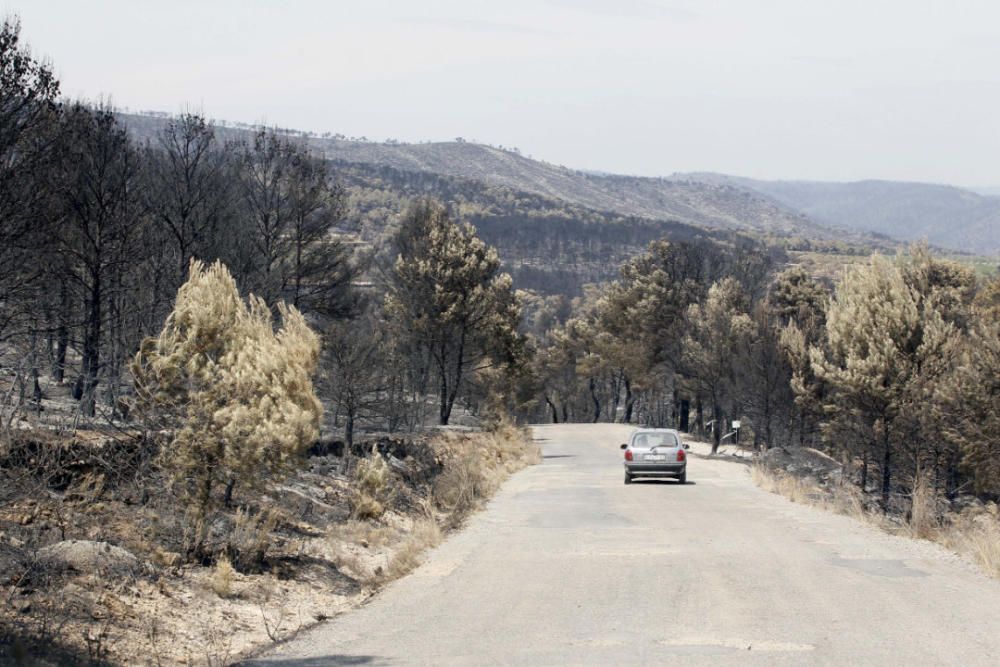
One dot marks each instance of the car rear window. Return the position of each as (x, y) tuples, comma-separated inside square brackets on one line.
[(654, 440)]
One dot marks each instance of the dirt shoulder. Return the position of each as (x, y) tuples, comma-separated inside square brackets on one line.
[(91, 570), (965, 524)]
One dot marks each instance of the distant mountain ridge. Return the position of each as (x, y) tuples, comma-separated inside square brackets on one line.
[(720, 206), (707, 205), (947, 216), (872, 214)]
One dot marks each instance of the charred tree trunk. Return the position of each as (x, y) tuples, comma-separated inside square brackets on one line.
[(699, 415), (716, 426), (596, 399), (443, 412), (450, 394), (349, 429), (91, 347), (552, 407), (62, 334), (886, 469), (864, 471), (629, 402)]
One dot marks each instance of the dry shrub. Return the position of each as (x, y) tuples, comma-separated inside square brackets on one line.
[(221, 580), (233, 391), (976, 532), (250, 539), (372, 480), (366, 508), (372, 475)]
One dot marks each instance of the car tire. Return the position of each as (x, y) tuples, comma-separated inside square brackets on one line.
[(682, 478), (628, 478)]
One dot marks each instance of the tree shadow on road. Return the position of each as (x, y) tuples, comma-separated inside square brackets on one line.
[(318, 661)]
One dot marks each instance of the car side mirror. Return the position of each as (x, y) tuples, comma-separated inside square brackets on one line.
[(624, 446)]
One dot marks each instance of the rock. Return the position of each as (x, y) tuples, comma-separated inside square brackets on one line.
[(89, 556), (802, 462), (23, 606)]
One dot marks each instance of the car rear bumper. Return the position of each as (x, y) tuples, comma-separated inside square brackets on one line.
[(655, 469)]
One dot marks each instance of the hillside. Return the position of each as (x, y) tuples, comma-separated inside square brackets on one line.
[(946, 216), (547, 244), (706, 205), (719, 206)]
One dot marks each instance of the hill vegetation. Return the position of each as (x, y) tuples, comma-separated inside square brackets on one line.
[(718, 206), (945, 216)]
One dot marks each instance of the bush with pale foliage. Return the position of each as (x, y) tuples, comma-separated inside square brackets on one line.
[(234, 395)]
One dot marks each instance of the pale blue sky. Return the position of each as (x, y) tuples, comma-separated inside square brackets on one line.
[(841, 90)]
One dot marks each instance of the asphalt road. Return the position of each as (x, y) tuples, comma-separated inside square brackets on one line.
[(567, 565)]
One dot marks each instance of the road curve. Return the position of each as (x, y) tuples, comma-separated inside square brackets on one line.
[(567, 565)]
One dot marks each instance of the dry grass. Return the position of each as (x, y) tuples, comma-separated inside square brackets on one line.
[(794, 488), (371, 480), (221, 580), (844, 499), (426, 534), (924, 520), (251, 538), (154, 617), (364, 533), (849, 501), (476, 465), (974, 533), (365, 507), (376, 555), (473, 468)]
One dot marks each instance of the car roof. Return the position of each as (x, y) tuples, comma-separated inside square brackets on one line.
[(656, 430)]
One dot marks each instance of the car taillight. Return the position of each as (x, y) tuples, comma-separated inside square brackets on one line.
[(680, 455), (628, 454)]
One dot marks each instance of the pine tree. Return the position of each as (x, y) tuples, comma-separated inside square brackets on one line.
[(448, 296), (883, 337), (968, 401), (236, 396), (719, 327)]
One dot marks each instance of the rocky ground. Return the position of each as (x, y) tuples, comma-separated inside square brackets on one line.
[(91, 565)]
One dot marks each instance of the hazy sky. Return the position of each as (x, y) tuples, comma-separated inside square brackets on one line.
[(815, 89)]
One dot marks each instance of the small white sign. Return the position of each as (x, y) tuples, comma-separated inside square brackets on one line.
[(736, 423)]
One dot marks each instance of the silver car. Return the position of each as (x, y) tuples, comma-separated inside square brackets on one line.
[(655, 452)]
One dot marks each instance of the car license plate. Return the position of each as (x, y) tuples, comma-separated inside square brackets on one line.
[(655, 457)]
